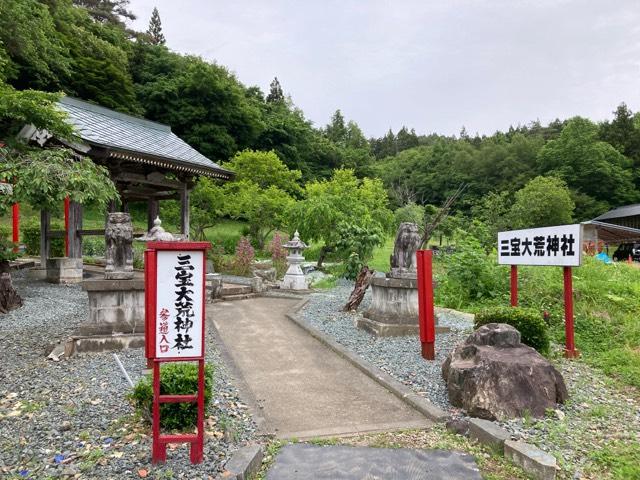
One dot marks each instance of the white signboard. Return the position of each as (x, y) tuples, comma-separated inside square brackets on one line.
[(559, 246), (179, 303)]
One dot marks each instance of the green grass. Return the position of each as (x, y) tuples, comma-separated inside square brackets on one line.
[(382, 255)]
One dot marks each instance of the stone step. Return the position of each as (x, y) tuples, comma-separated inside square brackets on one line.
[(242, 296), (235, 290)]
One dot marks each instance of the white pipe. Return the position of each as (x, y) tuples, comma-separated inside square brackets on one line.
[(124, 372)]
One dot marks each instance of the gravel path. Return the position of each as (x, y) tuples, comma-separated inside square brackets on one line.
[(70, 419), (398, 356)]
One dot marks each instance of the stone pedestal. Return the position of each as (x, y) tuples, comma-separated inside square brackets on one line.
[(64, 270), (294, 278), (115, 307), (394, 308)]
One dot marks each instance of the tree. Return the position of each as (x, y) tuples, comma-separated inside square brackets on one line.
[(542, 202), (41, 177), (114, 12), (156, 37), (336, 131), (275, 93), (264, 169), (341, 211), (588, 165), (263, 208)]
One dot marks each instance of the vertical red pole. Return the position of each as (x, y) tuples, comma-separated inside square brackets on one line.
[(159, 450), (16, 225), (66, 226), (570, 347), (514, 285), (197, 447), (150, 294), (426, 315)]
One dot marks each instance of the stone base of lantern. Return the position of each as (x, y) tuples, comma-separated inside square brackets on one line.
[(294, 282)]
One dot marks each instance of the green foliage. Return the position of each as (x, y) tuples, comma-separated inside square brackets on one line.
[(471, 275), (30, 236), (352, 266), (588, 165), (44, 177), (264, 169), (337, 211), (175, 379), (156, 37), (529, 322), (411, 212), (542, 202), (263, 209)]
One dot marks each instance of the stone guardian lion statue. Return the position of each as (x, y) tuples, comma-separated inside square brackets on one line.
[(403, 259), (119, 252)]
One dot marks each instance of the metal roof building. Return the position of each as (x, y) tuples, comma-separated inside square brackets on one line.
[(145, 159), (628, 216)]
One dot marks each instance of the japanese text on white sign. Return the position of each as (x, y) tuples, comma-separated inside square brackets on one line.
[(556, 246), (179, 304)]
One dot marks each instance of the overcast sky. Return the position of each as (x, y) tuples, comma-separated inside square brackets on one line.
[(432, 65)]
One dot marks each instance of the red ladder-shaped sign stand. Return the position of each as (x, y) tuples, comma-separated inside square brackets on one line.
[(175, 275)]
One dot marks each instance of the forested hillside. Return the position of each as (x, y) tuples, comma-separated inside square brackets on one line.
[(85, 49)]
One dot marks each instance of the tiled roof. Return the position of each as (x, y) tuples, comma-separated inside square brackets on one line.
[(136, 139), (621, 212)]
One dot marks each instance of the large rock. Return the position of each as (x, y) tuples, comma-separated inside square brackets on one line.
[(494, 376)]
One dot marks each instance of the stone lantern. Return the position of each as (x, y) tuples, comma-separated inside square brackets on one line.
[(294, 278)]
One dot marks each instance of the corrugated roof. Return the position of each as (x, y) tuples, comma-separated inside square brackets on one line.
[(130, 136), (621, 212)]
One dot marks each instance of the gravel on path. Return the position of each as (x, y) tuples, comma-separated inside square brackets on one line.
[(398, 356), (71, 419)]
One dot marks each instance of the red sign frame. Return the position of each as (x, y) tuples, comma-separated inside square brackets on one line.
[(160, 441)]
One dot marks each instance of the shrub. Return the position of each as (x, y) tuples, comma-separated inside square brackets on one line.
[(245, 254), (529, 322), (175, 379), (278, 252), (216, 255), (471, 274), (409, 213), (93, 246), (30, 233), (352, 266)]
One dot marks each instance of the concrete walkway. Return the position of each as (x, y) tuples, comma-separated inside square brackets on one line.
[(303, 389)]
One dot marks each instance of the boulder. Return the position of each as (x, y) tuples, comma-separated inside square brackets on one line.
[(492, 375)]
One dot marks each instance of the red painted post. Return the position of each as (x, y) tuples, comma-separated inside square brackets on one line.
[(159, 449), (150, 294), (16, 225), (570, 347), (66, 226), (514, 285), (426, 315)]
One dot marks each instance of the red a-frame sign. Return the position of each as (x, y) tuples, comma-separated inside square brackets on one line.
[(174, 329)]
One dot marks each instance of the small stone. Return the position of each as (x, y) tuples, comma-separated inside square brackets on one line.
[(65, 426), (560, 414)]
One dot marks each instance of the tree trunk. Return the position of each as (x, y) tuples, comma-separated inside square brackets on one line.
[(362, 283), (323, 253), (9, 298)]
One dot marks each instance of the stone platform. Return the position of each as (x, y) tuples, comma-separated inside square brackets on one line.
[(394, 308), (302, 461), (115, 307)]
